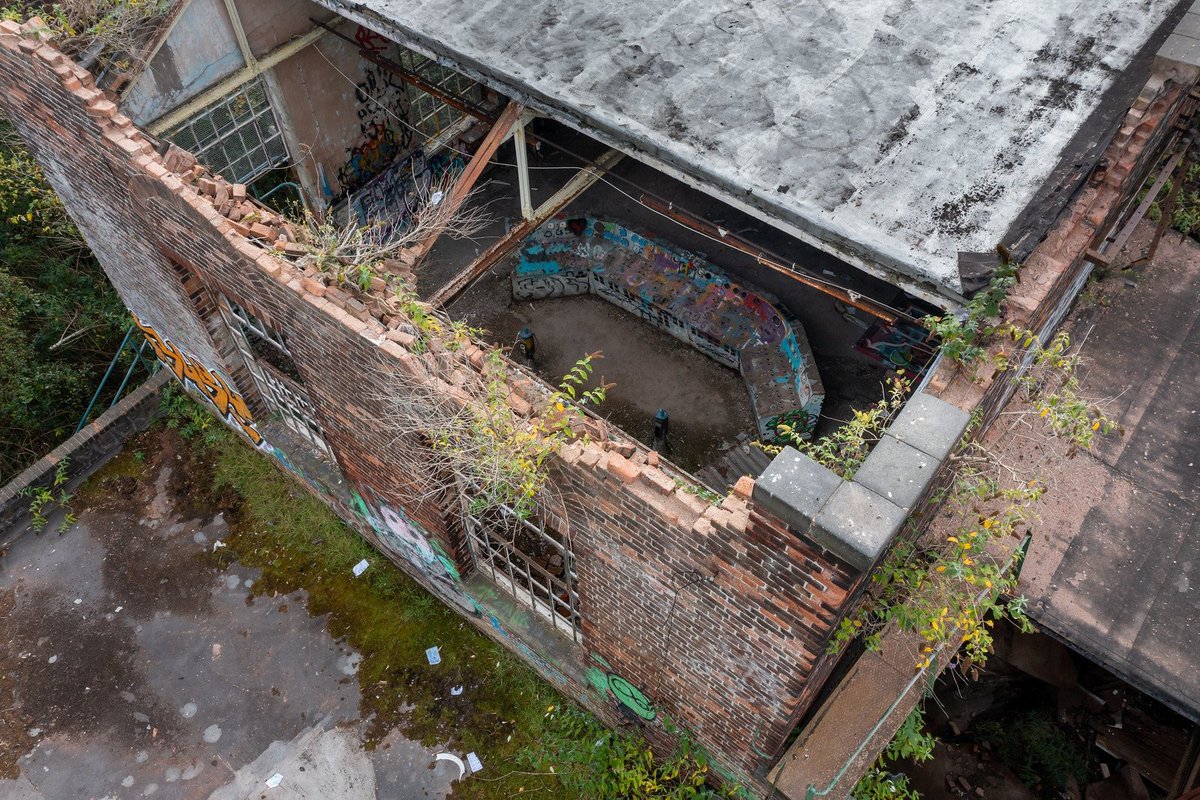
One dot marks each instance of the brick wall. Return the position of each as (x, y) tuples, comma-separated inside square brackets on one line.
[(713, 617)]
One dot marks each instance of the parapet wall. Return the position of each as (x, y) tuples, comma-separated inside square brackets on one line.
[(714, 617)]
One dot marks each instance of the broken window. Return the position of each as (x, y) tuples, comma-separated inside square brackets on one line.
[(265, 351), (530, 560), (431, 116), (237, 137)]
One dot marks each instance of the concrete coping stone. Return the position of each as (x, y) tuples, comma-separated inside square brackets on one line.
[(930, 425), (897, 471), (794, 488), (857, 525)]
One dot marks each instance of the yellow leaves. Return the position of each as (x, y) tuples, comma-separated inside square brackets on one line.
[(1096, 425), (940, 568), (988, 523)]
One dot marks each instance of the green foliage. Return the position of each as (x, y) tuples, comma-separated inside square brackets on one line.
[(44, 498), (911, 742), (962, 338), (594, 761), (844, 450), (1038, 750), (703, 492), (1050, 383), (182, 413), (60, 320)]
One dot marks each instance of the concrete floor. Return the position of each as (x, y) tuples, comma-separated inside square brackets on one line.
[(131, 666), (851, 379)]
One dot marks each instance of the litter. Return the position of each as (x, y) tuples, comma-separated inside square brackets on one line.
[(274, 780), (453, 759), (473, 760), (455, 691), (216, 544), (433, 655), (360, 567)]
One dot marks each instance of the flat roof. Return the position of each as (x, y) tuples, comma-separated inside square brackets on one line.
[(895, 133), (1114, 564)]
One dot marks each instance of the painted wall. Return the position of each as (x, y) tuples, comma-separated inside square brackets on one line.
[(199, 52), (684, 295)]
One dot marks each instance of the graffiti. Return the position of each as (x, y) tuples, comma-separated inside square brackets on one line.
[(539, 287), (607, 683), (529, 653), (383, 99), (404, 537), (681, 294), (370, 41), (396, 194), (208, 383)]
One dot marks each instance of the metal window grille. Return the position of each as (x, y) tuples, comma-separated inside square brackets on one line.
[(282, 392), (237, 137), (531, 562), (427, 113)]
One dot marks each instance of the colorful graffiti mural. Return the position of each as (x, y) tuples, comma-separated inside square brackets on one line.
[(397, 193), (383, 103), (207, 383), (680, 293), (610, 684)]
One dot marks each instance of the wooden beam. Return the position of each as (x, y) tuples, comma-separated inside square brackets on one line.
[(466, 181), (511, 240)]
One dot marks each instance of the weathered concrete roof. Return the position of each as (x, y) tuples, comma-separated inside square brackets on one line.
[(898, 132), (1114, 567)]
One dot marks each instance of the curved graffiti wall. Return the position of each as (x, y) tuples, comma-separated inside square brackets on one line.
[(680, 293)]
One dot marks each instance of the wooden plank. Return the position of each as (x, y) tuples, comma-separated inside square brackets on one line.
[(466, 181)]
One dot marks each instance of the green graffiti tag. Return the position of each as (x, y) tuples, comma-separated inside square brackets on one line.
[(624, 692)]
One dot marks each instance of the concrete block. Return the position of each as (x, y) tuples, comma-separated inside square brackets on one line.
[(794, 488), (1181, 48), (930, 425), (857, 525), (897, 472), (1189, 26)]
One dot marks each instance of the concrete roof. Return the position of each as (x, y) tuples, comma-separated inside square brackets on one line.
[(896, 132), (1114, 567)]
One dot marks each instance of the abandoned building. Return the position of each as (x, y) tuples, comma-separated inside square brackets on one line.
[(748, 209)]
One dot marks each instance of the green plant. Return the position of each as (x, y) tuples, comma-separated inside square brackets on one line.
[(911, 742), (1038, 750), (594, 761), (844, 450), (962, 338), (703, 492), (43, 498), (182, 413)]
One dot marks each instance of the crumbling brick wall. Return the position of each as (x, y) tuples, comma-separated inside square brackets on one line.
[(714, 617)]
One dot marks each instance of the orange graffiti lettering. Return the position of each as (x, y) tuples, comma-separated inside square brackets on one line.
[(211, 386)]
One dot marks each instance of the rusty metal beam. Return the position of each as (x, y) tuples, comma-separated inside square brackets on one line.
[(687, 220), (412, 78), (578, 184), (466, 181)]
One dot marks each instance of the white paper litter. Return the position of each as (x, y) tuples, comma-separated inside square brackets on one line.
[(473, 760), (433, 655), (274, 780), (456, 690), (360, 567)]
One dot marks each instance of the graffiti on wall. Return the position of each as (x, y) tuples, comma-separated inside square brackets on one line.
[(611, 685), (398, 192), (401, 535), (681, 294), (207, 383), (382, 105)]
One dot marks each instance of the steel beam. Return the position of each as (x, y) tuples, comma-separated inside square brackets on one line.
[(522, 169), (578, 184)]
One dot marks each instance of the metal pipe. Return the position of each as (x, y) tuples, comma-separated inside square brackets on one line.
[(112, 364)]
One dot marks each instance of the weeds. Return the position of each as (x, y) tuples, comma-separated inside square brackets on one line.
[(42, 500)]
